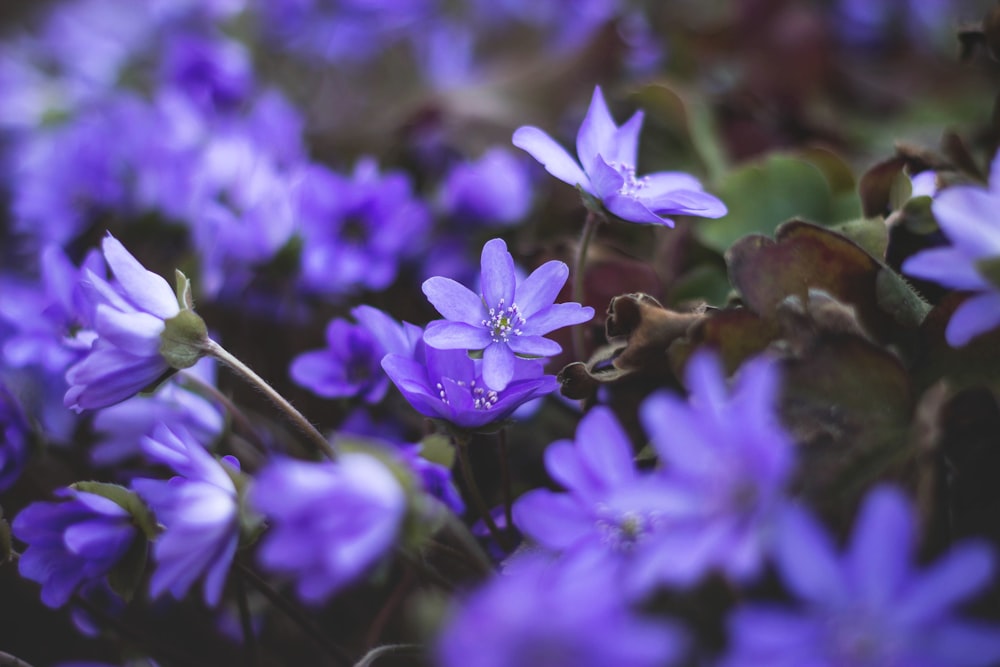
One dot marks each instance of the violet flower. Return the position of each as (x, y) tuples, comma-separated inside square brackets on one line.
[(493, 190), (608, 154), (448, 385), (540, 614), (508, 319), (610, 511), (72, 542), (329, 523), (350, 364), (726, 461), (199, 510), (869, 606), (965, 214), (130, 318)]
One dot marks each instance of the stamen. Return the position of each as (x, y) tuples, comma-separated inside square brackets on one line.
[(504, 322)]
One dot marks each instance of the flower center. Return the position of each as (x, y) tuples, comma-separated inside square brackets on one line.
[(632, 185), (483, 398), (622, 531), (504, 322)]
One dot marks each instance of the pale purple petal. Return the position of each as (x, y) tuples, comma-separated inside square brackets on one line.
[(947, 266), (540, 289), (632, 210), (498, 366), (446, 335), (144, 288), (136, 333), (606, 179), (534, 346), (605, 447), (454, 301), (498, 279), (806, 557), (878, 560), (660, 183), (624, 146), (556, 316), (551, 155), (597, 131), (684, 202), (962, 212), (977, 315), (959, 575), (554, 520)]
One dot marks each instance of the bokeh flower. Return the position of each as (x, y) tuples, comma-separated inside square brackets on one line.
[(868, 606), (608, 155), (329, 523), (965, 214), (130, 318), (77, 540), (199, 510), (508, 319)]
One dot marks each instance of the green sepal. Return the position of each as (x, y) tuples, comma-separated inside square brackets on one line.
[(125, 578), (183, 289), (127, 500), (437, 448), (252, 524), (184, 339), (592, 203), (475, 354)]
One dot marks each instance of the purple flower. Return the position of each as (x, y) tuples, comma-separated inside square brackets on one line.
[(364, 226), (448, 385), (216, 74), (610, 512), (965, 215), (608, 155), (493, 190), (329, 523), (199, 510), (129, 318), (542, 614), (119, 429), (726, 461), (508, 319), (350, 364), (72, 542), (867, 607)]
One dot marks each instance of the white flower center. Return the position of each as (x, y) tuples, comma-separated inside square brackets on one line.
[(482, 398), (623, 530), (632, 185), (504, 322)]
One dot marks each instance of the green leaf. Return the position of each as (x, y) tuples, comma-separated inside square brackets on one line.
[(125, 577), (437, 448), (763, 195)]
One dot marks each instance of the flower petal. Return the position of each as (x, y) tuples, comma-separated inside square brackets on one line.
[(878, 559), (624, 148), (498, 366), (966, 569), (597, 131), (446, 335), (977, 315), (632, 210), (534, 346), (947, 266), (498, 279), (684, 202), (145, 289), (137, 333), (540, 289), (965, 213), (453, 300), (556, 316), (551, 155)]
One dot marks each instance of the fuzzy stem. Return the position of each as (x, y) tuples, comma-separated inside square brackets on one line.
[(296, 417), (505, 477), (237, 415), (477, 496), (246, 621), (579, 268)]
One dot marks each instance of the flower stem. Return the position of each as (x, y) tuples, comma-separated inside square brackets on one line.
[(296, 417), (579, 269), (477, 496), (237, 415), (505, 477), (246, 622)]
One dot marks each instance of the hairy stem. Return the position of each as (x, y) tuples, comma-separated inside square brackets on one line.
[(315, 437), (477, 496), (579, 269)]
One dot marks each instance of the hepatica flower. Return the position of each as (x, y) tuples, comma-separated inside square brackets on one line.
[(72, 542), (330, 522), (868, 606), (131, 320), (448, 385), (966, 215), (608, 155), (508, 319), (726, 461), (199, 510)]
